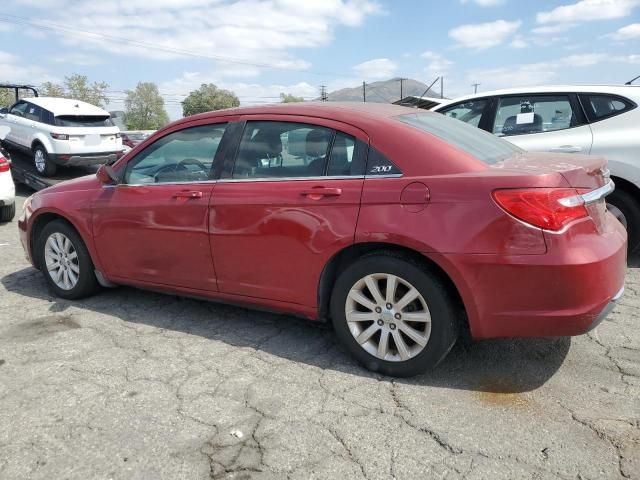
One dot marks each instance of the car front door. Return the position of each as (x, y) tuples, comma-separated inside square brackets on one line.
[(17, 123), (285, 205), (152, 228), (543, 123)]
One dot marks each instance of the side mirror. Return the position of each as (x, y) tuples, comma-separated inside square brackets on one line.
[(107, 176)]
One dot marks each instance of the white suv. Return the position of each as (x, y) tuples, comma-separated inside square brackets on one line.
[(7, 189), (599, 120), (61, 131)]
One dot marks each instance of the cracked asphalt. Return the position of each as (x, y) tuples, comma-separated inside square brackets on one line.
[(137, 385)]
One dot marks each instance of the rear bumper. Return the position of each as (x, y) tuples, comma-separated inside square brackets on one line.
[(565, 292), (84, 159)]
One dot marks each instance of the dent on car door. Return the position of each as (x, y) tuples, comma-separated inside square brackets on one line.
[(153, 226), (285, 206), (550, 122)]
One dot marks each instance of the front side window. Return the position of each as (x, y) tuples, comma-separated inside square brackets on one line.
[(599, 106), (469, 112), (19, 109), (521, 115), (183, 156), (285, 150)]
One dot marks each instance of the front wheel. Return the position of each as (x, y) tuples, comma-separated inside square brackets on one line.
[(626, 209), (65, 261), (393, 316), (42, 162)]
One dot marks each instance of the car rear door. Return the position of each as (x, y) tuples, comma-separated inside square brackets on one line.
[(152, 228), (287, 201), (543, 122)]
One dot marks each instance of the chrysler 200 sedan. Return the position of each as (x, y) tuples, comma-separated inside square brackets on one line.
[(402, 228)]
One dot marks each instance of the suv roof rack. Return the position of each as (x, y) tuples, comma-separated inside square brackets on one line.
[(17, 87)]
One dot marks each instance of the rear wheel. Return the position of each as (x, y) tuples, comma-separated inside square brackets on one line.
[(624, 207), (7, 212), (42, 162), (393, 316), (65, 261)]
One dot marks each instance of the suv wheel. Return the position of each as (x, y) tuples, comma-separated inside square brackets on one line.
[(65, 261), (625, 208), (7, 212), (393, 316), (44, 166)]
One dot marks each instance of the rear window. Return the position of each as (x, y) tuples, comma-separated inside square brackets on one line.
[(84, 121), (600, 106), (482, 145)]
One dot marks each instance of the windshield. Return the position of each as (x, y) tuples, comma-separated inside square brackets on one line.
[(84, 121), (482, 145)]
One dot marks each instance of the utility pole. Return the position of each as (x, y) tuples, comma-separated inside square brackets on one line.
[(475, 87), (442, 86), (401, 82), (323, 93), (364, 92)]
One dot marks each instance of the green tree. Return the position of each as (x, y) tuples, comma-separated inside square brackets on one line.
[(78, 87), (207, 98), (50, 89), (289, 98), (144, 108), (7, 97)]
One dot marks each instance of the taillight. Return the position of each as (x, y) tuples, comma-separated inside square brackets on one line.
[(60, 136), (547, 208), (5, 164)]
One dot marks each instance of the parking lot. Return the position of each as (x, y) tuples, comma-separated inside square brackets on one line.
[(133, 384)]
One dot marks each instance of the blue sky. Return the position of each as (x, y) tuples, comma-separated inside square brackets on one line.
[(259, 48)]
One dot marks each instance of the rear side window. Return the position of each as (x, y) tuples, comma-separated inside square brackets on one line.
[(469, 112), (32, 113), (599, 106), (527, 114), (84, 121), (482, 145)]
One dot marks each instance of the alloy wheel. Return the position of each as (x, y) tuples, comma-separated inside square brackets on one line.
[(39, 160), (388, 317), (61, 259)]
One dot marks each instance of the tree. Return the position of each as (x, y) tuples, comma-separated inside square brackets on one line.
[(207, 98), (289, 98), (78, 87), (7, 97), (144, 108)]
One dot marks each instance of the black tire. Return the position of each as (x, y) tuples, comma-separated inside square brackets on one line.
[(49, 168), (630, 210), (87, 283), (7, 212), (442, 308)]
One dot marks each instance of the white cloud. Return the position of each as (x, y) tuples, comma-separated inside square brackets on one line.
[(550, 29), (587, 10), (484, 3), (484, 35), (76, 58), (514, 76), (627, 33), (518, 42), (378, 68), (437, 65), (15, 70), (247, 31), (584, 60)]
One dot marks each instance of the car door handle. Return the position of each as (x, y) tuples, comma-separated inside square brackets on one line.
[(187, 194), (567, 149), (317, 193)]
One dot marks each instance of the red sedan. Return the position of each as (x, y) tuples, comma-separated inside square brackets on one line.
[(402, 227)]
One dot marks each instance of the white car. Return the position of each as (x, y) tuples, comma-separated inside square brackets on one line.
[(61, 132), (600, 120), (7, 189)]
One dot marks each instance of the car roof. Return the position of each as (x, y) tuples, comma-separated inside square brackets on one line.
[(333, 110), (629, 90), (66, 106)]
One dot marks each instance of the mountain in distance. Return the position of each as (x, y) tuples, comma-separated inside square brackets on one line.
[(387, 91)]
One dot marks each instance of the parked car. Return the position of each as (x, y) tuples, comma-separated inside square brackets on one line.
[(598, 119), (402, 227), (61, 132), (7, 188), (133, 138)]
